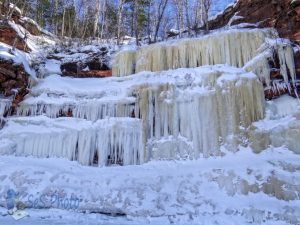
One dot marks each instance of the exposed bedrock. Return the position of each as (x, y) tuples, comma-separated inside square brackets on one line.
[(281, 14)]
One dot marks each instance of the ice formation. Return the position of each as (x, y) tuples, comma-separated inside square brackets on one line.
[(223, 103), (106, 142), (249, 49), (235, 48), (91, 110), (177, 104), (127, 59)]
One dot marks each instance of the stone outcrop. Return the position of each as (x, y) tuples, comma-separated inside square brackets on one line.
[(281, 14), (9, 36), (92, 62)]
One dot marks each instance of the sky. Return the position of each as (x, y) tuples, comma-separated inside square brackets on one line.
[(219, 5)]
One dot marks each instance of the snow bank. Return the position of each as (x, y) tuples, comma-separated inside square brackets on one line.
[(110, 141)]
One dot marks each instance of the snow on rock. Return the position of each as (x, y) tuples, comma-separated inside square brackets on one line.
[(18, 57), (107, 142), (224, 98), (240, 188)]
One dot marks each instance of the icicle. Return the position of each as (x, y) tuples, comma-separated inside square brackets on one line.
[(91, 110), (172, 111), (287, 63), (5, 105), (118, 140)]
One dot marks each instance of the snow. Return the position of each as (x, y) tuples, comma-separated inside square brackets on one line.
[(204, 191), (50, 67)]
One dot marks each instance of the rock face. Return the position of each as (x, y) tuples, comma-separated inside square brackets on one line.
[(89, 61), (13, 81), (9, 36), (281, 14)]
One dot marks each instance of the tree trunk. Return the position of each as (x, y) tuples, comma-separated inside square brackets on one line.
[(63, 24)]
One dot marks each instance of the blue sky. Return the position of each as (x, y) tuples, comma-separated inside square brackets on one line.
[(219, 5)]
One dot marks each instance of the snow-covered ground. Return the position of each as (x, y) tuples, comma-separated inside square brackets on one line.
[(239, 188)]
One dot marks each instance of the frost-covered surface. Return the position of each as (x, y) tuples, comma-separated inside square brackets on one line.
[(164, 102), (239, 188), (113, 140)]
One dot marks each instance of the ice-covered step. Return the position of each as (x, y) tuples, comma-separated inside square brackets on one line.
[(105, 142), (171, 104)]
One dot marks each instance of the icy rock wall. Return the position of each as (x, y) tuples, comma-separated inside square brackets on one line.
[(233, 48), (207, 116), (110, 141)]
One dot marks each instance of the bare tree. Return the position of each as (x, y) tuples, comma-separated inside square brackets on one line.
[(162, 4), (119, 19), (205, 5), (179, 7)]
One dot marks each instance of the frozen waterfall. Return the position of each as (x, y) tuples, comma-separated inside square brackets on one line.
[(198, 108)]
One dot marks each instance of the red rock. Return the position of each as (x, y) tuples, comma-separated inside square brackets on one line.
[(269, 13), (8, 36)]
